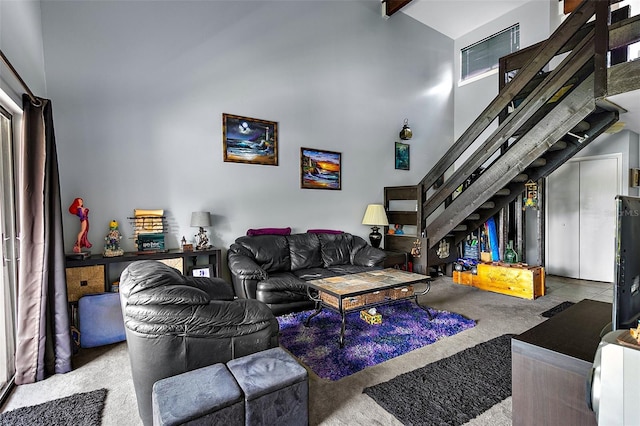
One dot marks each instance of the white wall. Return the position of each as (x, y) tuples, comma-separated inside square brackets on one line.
[(139, 88), (21, 42)]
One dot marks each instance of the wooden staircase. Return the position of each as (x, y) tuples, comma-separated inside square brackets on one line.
[(544, 119)]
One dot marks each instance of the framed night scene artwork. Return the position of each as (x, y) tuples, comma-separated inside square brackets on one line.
[(402, 156), (320, 169), (249, 140)]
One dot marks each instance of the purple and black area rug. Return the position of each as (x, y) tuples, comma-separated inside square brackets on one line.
[(404, 327)]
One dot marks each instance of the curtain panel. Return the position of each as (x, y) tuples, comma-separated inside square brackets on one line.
[(43, 330)]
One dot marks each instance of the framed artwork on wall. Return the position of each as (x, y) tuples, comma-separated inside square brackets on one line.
[(202, 271), (249, 140), (320, 169), (402, 156)]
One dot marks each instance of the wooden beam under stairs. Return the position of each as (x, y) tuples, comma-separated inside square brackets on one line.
[(577, 105), (599, 123), (538, 98)]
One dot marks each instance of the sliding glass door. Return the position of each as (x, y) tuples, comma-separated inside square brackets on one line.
[(8, 254)]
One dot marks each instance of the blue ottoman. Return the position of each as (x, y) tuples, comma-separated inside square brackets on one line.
[(206, 396), (275, 386), (100, 319)]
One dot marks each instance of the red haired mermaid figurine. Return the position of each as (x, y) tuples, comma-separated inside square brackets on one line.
[(82, 212)]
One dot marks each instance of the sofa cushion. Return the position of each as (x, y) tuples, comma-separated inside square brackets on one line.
[(335, 249), (349, 269), (281, 287), (271, 252), (314, 273), (304, 250)]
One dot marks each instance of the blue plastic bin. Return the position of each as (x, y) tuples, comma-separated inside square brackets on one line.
[(100, 319)]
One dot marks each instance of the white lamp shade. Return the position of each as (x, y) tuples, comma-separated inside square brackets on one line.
[(201, 219), (375, 215)]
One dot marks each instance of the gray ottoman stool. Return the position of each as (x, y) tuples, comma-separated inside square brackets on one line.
[(206, 396), (275, 386)]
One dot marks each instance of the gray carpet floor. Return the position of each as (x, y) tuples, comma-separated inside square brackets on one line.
[(331, 403)]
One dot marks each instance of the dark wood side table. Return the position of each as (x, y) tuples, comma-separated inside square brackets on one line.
[(95, 271), (551, 363)]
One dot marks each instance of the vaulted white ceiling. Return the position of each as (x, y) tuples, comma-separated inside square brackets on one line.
[(455, 18)]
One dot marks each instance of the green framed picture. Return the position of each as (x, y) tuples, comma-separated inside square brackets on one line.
[(402, 156)]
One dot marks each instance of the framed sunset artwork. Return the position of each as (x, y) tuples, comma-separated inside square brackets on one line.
[(320, 169)]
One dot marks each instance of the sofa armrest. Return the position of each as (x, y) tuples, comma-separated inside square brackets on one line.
[(369, 256), (245, 272), (244, 267)]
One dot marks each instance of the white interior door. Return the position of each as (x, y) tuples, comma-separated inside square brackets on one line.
[(581, 218), (563, 221), (598, 189)]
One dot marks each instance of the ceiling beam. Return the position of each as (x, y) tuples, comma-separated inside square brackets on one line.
[(392, 6)]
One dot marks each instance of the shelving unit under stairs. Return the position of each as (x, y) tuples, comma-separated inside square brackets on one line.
[(404, 207)]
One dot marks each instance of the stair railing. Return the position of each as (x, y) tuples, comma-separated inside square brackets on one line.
[(565, 34)]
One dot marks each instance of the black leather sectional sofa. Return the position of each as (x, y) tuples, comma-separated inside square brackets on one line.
[(274, 268)]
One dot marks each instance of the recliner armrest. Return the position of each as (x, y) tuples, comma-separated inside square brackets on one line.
[(170, 295), (215, 320), (216, 288)]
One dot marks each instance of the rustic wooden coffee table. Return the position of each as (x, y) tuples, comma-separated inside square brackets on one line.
[(364, 290)]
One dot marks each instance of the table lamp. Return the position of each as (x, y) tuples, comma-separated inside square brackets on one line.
[(376, 216), (201, 220)]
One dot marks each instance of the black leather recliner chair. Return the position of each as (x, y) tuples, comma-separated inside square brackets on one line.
[(176, 323)]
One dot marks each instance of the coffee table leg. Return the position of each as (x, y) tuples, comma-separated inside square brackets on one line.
[(318, 309), (415, 297), (424, 308), (342, 327)]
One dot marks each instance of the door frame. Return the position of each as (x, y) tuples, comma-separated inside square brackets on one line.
[(8, 319)]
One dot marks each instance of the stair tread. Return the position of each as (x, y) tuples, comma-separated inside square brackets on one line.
[(538, 162), (558, 146)]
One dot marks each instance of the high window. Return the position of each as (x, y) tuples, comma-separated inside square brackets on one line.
[(482, 57)]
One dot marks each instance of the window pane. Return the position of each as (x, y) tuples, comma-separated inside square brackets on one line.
[(484, 55)]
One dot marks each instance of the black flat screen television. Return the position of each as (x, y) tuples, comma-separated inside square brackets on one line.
[(626, 292)]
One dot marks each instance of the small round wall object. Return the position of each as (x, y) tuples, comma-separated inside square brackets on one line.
[(405, 133)]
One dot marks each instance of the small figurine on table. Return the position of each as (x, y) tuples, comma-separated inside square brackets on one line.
[(398, 229), (112, 247), (77, 208), (203, 240)]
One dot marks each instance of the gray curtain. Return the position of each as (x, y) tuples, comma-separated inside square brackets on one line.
[(43, 335)]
